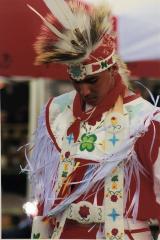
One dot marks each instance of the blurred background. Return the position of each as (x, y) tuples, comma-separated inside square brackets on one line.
[(25, 88)]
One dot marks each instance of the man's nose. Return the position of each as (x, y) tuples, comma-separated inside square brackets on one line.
[(84, 90)]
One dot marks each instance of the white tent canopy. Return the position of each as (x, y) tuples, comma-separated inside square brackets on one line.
[(138, 28)]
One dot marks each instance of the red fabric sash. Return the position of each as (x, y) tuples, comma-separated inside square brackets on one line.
[(130, 232), (92, 117)]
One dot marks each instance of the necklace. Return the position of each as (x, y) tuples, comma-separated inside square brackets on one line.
[(90, 113)]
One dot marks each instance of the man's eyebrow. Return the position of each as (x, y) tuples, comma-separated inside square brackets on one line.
[(91, 77), (87, 79)]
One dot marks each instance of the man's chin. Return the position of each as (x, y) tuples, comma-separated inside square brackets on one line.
[(93, 102)]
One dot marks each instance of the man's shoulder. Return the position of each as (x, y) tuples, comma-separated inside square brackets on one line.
[(140, 107), (138, 100), (63, 100), (140, 103)]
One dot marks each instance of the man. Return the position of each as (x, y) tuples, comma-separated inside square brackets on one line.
[(95, 164)]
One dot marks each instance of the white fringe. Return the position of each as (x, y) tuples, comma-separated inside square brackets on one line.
[(101, 170), (43, 166)]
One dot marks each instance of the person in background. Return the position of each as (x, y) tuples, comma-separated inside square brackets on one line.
[(95, 164)]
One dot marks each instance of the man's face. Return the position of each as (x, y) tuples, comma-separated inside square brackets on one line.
[(94, 87)]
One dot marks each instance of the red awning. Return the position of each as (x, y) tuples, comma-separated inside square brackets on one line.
[(19, 27)]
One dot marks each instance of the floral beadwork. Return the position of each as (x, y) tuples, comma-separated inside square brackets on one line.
[(36, 236), (113, 193), (65, 170), (114, 214), (87, 142), (114, 205), (114, 178), (113, 140), (104, 64), (84, 211), (114, 186), (114, 181), (70, 139), (115, 125), (77, 71), (114, 121), (115, 235), (66, 163)]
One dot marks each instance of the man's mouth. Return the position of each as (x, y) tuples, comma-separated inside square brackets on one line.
[(91, 100)]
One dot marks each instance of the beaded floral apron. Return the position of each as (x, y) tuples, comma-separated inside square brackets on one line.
[(106, 135)]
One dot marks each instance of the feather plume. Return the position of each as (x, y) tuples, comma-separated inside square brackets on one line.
[(49, 25), (63, 13), (61, 10), (100, 23), (84, 27)]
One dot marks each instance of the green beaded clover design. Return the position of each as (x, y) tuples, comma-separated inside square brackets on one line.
[(88, 142)]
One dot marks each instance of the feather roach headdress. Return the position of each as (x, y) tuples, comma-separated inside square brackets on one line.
[(76, 34)]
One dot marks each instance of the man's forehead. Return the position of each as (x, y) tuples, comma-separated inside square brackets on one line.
[(88, 78)]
